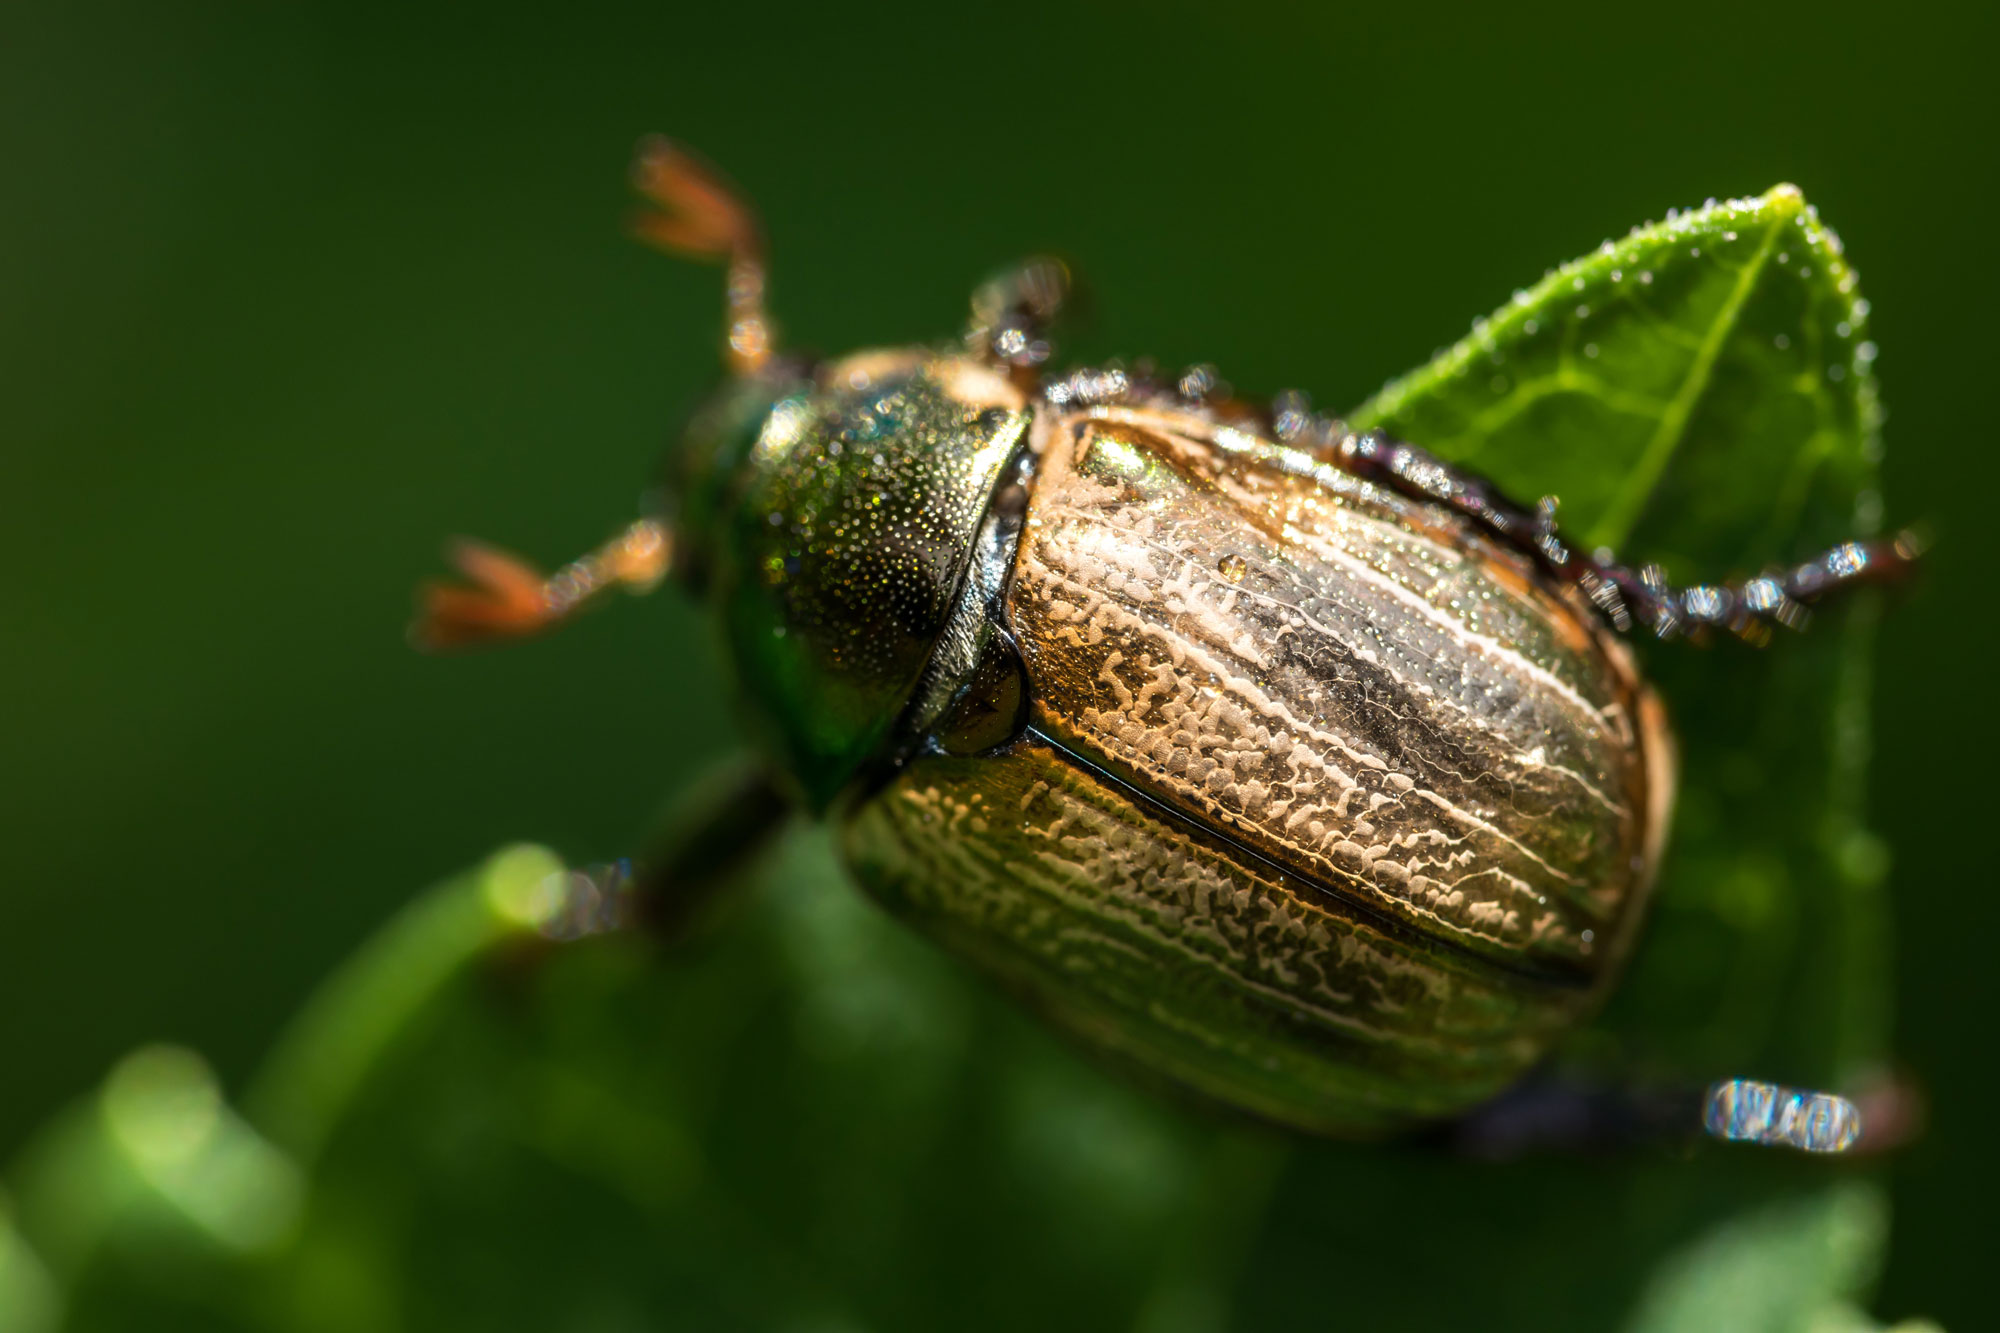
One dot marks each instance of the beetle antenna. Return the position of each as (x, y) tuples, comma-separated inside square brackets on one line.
[(504, 597), (699, 215)]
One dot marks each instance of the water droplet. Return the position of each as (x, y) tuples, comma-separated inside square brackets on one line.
[(1232, 567)]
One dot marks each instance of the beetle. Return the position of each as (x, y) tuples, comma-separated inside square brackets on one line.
[(1288, 764)]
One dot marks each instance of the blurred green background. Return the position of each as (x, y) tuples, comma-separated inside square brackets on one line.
[(289, 293)]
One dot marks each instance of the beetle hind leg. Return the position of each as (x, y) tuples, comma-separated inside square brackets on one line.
[(1556, 1112), (1748, 609)]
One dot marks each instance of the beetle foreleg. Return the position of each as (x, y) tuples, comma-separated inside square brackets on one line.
[(701, 216)]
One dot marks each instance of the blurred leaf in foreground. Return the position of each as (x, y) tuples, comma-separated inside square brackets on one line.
[(804, 1118)]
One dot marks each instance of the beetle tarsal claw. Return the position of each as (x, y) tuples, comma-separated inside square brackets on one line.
[(698, 215), (503, 597)]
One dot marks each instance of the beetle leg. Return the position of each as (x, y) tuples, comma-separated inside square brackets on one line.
[(707, 840), (1012, 311), (701, 216), (1625, 597), (504, 597), (1552, 1112)]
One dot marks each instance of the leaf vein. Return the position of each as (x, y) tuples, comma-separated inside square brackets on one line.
[(1616, 525)]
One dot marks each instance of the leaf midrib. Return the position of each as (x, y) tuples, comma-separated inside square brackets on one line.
[(1623, 512)]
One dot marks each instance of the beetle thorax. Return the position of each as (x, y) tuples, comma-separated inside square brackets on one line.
[(840, 533)]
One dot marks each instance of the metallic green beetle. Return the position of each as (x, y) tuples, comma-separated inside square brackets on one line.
[(1288, 764)]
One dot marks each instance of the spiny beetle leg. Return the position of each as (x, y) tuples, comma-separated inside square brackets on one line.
[(1626, 597)]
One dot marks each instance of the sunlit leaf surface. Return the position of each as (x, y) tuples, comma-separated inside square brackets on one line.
[(805, 1118)]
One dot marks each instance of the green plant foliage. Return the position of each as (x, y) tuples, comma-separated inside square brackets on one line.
[(804, 1118)]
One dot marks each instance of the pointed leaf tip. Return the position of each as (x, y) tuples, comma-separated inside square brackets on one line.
[(1714, 360)]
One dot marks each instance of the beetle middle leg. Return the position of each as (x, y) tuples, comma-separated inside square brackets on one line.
[(704, 845), (504, 597), (1747, 609), (706, 842)]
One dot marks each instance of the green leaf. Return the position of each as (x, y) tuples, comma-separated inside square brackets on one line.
[(1704, 385), (1800, 1256), (328, 1053), (28, 1299)]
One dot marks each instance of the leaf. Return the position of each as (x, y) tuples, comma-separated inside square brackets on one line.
[(28, 1299), (1804, 1255), (1704, 385)]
